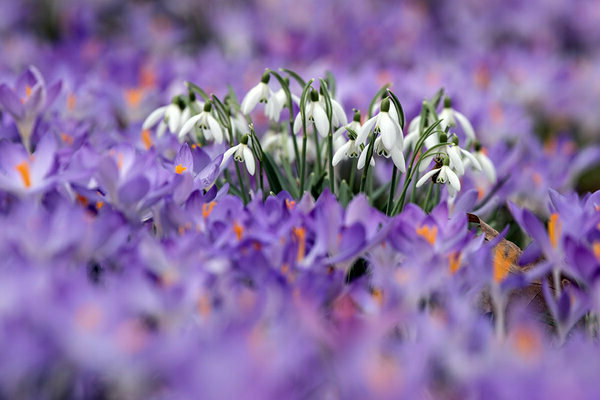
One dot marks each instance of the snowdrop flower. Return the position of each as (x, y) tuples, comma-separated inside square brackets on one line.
[(485, 163), (171, 116), (241, 153), (338, 116), (208, 125), (279, 144), (315, 112), (258, 94), (393, 112), (350, 149), (456, 155), (381, 150), (444, 174), (450, 117), (389, 130)]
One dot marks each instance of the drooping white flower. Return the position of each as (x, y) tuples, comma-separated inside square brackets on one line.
[(486, 164), (444, 174), (241, 153), (315, 113), (350, 149), (275, 104), (279, 144), (258, 94), (338, 115), (208, 125), (450, 117), (171, 116), (389, 130), (380, 150)]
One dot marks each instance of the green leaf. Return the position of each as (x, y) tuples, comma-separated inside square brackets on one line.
[(376, 97), (198, 90), (331, 83), (294, 75), (398, 107), (435, 101), (344, 193), (317, 186), (277, 181)]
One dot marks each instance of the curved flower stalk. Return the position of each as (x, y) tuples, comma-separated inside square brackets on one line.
[(207, 124), (171, 116), (450, 117), (338, 115), (28, 101)]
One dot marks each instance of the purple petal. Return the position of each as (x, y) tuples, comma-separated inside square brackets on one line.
[(11, 103), (133, 190), (184, 157)]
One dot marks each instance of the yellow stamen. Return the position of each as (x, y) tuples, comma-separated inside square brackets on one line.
[(179, 169), (207, 208), (147, 77), (239, 230), (23, 169), (596, 248), (526, 342), (429, 233), (300, 235), (454, 258), (71, 101), (480, 192), (203, 305), (537, 178), (378, 296), (28, 91), (119, 160), (68, 139), (133, 97), (99, 205), (146, 139), (502, 265), (554, 228)]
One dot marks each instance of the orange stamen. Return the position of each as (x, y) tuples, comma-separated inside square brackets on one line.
[(596, 248), (146, 139), (179, 169), (239, 230), (82, 200), (537, 178), (502, 265), (378, 296), (99, 205), (429, 233), (454, 258), (23, 169), (71, 101), (554, 228), (300, 235), (133, 97), (290, 204), (207, 208), (526, 342), (68, 139), (28, 91)]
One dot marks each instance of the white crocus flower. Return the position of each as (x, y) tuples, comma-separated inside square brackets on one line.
[(486, 164), (314, 113), (450, 117), (445, 174), (171, 116), (389, 130), (208, 125), (241, 153)]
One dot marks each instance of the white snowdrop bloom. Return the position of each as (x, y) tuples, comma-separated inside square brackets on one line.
[(486, 164), (275, 104), (258, 94), (380, 150), (278, 144), (450, 117), (315, 112), (393, 112), (338, 115), (208, 125), (444, 174), (457, 157), (350, 149), (171, 116), (241, 153), (389, 130)]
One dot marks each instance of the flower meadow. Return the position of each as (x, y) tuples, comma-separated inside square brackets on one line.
[(299, 199)]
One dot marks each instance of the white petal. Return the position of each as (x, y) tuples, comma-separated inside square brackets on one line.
[(472, 159), (447, 118), (188, 125), (338, 113), (340, 154), (487, 166), (424, 164), (251, 99), (227, 155), (365, 130), (465, 125), (398, 159), (298, 123), (249, 159), (215, 129), (154, 117), (388, 131), (427, 176), (455, 159), (453, 178), (321, 121), (173, 115), (363, 158), (162, 128)]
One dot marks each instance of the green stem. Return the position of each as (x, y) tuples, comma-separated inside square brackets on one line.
[(426, 201), (317, 150), (392, 190), (353, 174), (363, 180), (331, 170), (241, 181), (303, 165)]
